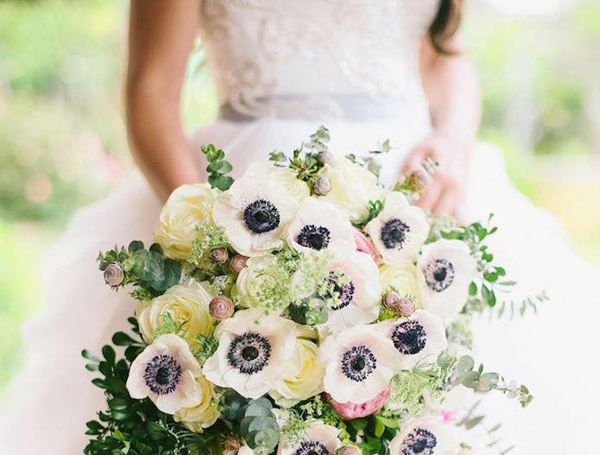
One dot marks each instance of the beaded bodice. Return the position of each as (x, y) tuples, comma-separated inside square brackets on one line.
[(285, 56)]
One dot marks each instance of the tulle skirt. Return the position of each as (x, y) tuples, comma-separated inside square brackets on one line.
[(554, 352)]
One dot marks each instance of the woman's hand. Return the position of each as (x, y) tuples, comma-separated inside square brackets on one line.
[(446, 186)]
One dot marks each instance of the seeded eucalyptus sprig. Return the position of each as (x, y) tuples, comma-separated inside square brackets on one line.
[(465, 373), (148, 270), (217, 168)]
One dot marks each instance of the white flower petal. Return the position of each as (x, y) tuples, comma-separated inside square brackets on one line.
[(442, 439), (445, 271), (398, 218), (322, 220)]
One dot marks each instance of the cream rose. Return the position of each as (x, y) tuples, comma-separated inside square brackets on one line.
[(403, 280), (305, 380), (188, 207), (260, 273), (186, 305), (352, 187), (205, 413), (295, 188)]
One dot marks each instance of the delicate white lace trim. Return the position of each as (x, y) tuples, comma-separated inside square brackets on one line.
[(260, 49)]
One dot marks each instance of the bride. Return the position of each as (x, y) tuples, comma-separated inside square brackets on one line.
[(369, 70)]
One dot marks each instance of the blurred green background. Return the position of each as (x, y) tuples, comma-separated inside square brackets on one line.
[(63, 144)]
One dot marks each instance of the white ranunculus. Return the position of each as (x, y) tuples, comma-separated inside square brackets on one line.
[(255, 213), (304, 380), (254, 352), (188, 207), (445, 270), (252, 277), (419, 338), (317, 225), (360, 363), (403, 280), (352, 187), (205, 413), (399, 231), (426, 435), (318, 439), (358, 297), (166, 372), (186, 305)]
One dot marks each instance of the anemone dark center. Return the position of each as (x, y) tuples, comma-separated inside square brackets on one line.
[(162, 374), (394, 234), (249, 353), (409, 337), (344, 292), (261, 216), (315, 237), (358, 363), (439, 274), (419, 441), (311, 448)]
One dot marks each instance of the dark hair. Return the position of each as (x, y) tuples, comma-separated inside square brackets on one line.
[(444, 26)]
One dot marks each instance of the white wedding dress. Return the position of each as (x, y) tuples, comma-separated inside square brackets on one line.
[(282, 68)]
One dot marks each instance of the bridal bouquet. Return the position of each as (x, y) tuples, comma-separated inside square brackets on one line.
[(302, 309)]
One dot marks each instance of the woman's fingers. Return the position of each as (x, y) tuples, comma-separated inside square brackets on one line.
[(414, 160), (430, 196), (447, 202)]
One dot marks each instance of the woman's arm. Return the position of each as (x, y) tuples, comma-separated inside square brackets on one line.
[(161, 34), (452, 88)]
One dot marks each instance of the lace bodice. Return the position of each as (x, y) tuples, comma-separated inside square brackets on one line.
[(285, 56)]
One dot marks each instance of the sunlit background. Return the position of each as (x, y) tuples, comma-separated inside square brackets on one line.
[(63, 144)]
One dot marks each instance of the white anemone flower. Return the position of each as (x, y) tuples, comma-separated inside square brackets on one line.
[(319, 439), (426, 436), (399, 231), (254, 353), (317, 225), (165, 372), (255, 214), (360, 363), (446, 268), (419, 338), (359, 290)]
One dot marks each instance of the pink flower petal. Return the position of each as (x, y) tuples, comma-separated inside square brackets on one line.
[(351, 411), (365, 245)]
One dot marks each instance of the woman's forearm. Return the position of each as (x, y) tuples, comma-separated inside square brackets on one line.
[(158, 143), (160, 38), (452, 88)]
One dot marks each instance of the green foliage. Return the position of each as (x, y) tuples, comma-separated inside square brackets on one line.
[(208, 239), (374, 209), (274, 275), (217, 168), (207, 346), (408, 388), (254, 419), (370, 161), (305, 160), (148, 270), (465, 374), (491, 279), (317, 288), (132, 426)]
